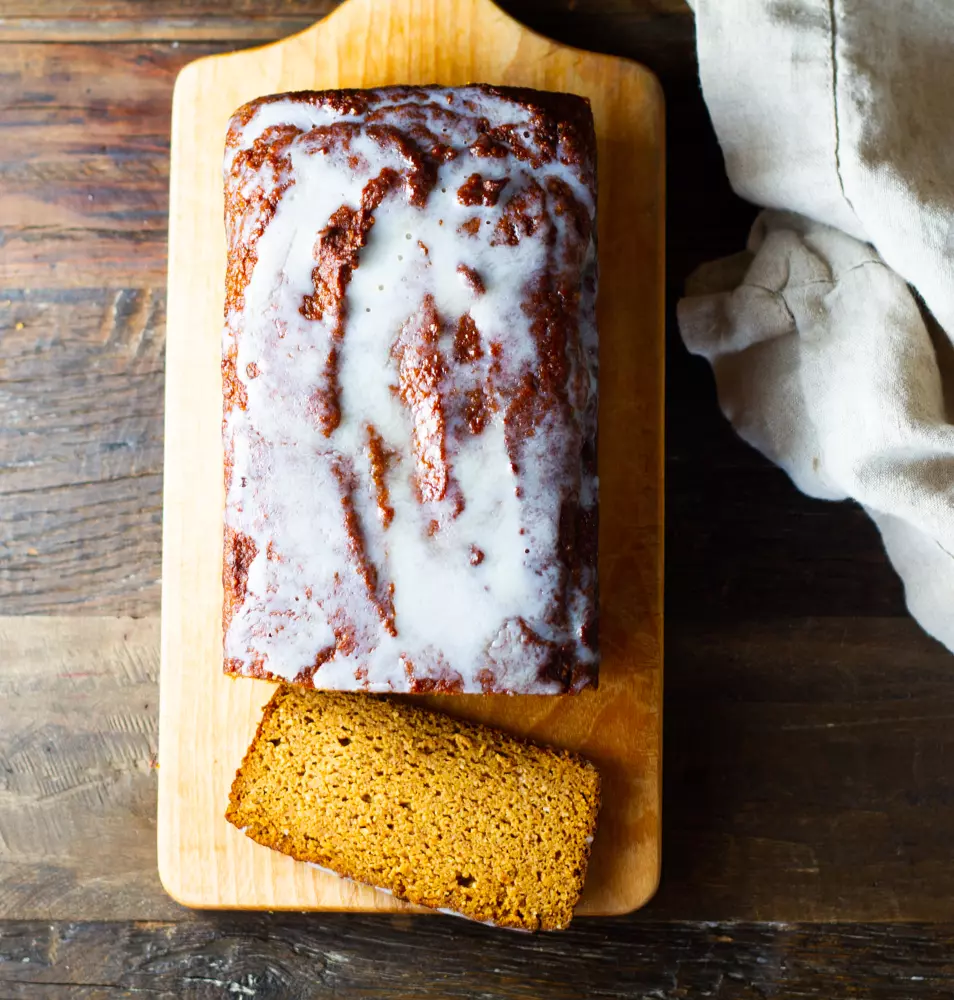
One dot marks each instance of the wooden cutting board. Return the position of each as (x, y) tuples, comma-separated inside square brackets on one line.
[(208, 720)]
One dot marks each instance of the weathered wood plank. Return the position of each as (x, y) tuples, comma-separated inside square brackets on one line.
[(212, 28), (360, 957), (156, 11), (808, 771), (83, 201), (78, 744), (84, 166), (249, 20), (81, 377)]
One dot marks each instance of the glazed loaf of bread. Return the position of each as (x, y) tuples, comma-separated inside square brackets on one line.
[(410, 381), (435, 810)]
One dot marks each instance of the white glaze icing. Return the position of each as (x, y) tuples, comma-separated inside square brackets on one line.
[(452, 619)]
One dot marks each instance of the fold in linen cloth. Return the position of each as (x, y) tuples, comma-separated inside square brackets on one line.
[(834, 114)]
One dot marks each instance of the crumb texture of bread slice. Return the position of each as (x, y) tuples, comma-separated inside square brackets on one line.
[(438, 811)]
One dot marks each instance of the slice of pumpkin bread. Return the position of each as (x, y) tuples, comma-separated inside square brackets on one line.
[(437, 811)]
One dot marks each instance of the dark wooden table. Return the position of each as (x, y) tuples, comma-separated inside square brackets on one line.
[(809, 746)]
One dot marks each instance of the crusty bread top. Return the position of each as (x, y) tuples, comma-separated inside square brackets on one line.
[(409, 376)]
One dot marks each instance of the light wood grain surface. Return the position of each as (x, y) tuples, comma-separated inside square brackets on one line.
[(207, 720)]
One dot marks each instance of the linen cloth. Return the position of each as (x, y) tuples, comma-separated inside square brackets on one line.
[(832, 335)]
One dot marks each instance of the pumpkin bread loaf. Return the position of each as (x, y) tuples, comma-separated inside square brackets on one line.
[(409, 378)]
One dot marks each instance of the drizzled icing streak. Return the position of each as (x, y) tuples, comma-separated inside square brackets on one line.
[(409, 384), (381, 458), (337, 254)]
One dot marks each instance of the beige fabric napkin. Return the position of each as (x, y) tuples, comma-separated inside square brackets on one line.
[(838, 116)]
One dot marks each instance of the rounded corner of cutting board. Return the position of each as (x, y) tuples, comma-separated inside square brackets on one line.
[(186, 79), (171, 878), (645, 891)]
